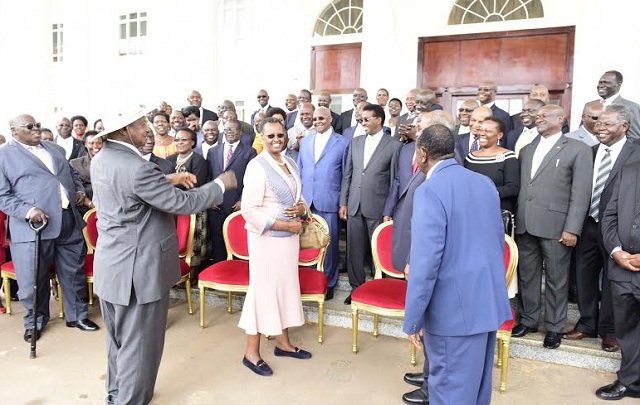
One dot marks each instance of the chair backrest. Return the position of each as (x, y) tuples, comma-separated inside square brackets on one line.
[(315, 257), (3, 236), (381, 243), (235, 236), (185, 230), (90, 231), (510, 258)]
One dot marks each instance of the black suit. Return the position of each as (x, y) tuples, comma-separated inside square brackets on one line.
[(345, 121), (462, 147), (165, 166), (503, 115), (335, 119), (620, 228), (216, 160), (208, 115), (591, 257), (77, 150)]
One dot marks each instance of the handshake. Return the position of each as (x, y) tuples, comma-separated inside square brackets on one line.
[(188, 180)]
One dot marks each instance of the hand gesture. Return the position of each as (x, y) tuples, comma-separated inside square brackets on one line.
[(229, 180), (184, 179)]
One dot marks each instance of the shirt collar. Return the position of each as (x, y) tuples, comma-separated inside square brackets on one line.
[(128, 145), (430, 172), (616, 147), (551, 139)]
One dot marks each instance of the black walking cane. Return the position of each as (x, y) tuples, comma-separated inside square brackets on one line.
[(38, 227)]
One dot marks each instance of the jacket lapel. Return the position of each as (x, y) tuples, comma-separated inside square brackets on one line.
[(332, 139), (550, 155), (56, 163), (413, 179), (381, 145), (236, 153), (30, 156), (627, 149)]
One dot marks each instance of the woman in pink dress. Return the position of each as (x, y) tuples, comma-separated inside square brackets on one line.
[(272, 206)]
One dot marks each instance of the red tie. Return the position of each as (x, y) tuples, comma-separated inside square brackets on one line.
[(229, 154), (415, 167)]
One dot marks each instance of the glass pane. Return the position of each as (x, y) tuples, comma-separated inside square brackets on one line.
[(133, 29), (143, 15), (123, 17), (55, 42), (61, 25), (123, 31), (55, 26), (133, 16), (60, 40), (143, 28)]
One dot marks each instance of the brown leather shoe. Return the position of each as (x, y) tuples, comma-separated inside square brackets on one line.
[(610, 344), (577, 335)]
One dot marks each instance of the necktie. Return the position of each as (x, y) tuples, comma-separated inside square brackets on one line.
[(47, 162), (229, 155), (474, 145), (415, 167), (601, 179)]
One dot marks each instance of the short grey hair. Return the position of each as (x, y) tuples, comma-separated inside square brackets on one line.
[(624, 114)]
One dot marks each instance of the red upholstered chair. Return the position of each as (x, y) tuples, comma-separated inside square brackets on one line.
[(381, 296), (90, 233), (231, 275), (504, 332), (313, 282), (186, 229)]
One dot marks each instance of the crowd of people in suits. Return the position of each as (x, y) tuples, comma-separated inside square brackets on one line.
[(360, 168)]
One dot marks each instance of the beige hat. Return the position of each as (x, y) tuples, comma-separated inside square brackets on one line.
[(120, 121)]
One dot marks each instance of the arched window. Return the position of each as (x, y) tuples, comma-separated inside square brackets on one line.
[(481, 11), (340, 17)]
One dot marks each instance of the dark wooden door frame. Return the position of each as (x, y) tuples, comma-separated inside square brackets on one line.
[(313, 71)]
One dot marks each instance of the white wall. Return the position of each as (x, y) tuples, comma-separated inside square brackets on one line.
[(191, 47)]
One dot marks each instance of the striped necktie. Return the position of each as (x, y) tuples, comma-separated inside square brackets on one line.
[(601, 179)]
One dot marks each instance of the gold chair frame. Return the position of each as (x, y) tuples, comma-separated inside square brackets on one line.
[(504, 336), (376, 311), (91, 249), (228, 288), (318, 261), (187, 256), (6, 276)]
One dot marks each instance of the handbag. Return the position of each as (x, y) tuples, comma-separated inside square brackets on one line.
[(313, 235)]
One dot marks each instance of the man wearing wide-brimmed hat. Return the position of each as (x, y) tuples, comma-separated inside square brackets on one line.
[(136, 260)]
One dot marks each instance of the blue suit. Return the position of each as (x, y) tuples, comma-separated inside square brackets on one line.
[(456, 291), (403, 162), (321, 183)]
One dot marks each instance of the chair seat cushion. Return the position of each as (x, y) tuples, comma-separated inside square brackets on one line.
[(233, 272), (9, 268), (508, 325), (184, 268), (88, 265), (308, 255), (312, 281), (386, 293)]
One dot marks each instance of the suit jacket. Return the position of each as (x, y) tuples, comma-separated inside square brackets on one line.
[(238, 164), (138, 247), (77, 150), (253, 114), (165, 166), (293, 154), (81, 165), (208, 115), (401, 120), (195, 165), (634, 129), (462, 147), (620, 222), (557, 198), (456, 284), (402, 212), (335, 118), (503, 115), (403, 167), (25, 183), (345, 121), (511, 137), (582, 135), (366, 188), (322, 180), (290, 119)]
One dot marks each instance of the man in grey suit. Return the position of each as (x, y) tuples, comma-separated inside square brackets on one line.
[(136, 260), (554, 198), (367, 178), (38, 184), (609, 91), (587, 131)]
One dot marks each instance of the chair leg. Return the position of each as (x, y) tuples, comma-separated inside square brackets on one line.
[(229, 301), (60, 302), (187, 284), (413, 355), (7, 293), (506, 342), (90, 290), (376, 320), (320, 320), (500, 349), (201, 306), (354, 329)]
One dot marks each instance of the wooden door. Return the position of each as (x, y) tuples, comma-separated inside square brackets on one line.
[(335, 68), (453, 66)]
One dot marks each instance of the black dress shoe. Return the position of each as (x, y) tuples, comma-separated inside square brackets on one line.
[(296, 354), (416, 397), (347, 301), (552, 340), (414, 379), (27, 335), (260, 368), (521, 330), (14, 297), (616, 391), (86, 325), (329, 294)]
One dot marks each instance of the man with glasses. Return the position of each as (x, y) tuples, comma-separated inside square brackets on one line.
[(587, 133), (263, 101), (487, 97), (51, 194), (293, 117), (525, 132), (464, 115), (73, 148), (367, 179), (347, 118)]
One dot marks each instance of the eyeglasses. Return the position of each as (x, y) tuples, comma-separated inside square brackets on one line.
[(593, 117), (29, 126), (180, 140), (318, 119), (531, 111), (368, 119), (469, 110), (271, 136), (486, 89)]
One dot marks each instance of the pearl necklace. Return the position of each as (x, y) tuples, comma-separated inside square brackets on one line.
[(281, 164)]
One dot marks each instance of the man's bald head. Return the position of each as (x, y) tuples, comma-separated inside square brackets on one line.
[(477, 118)]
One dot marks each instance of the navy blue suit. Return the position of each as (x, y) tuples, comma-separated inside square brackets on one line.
[(242, 154), (321, 183), (403, 163), (456, 289), (462, 147), (503, 115), (335, 117), (290, 120)]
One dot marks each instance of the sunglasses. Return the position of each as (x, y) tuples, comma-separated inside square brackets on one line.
[(486, 89), (469, 110), (593, 117), (29, 126), (271, 136), (318, 119)]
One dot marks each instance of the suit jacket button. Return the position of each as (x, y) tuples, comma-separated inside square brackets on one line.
[(634, 226)]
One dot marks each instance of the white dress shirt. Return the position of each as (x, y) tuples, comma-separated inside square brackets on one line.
[(67, 145), (206, 147), (227, 146), (616, 148), (545, 145), (463, 129), (526, 137), (320, 142), (607, 102), (359, 131), (370, 145)]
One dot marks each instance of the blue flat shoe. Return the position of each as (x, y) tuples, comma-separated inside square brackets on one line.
[(261, 368), (297, 354)]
